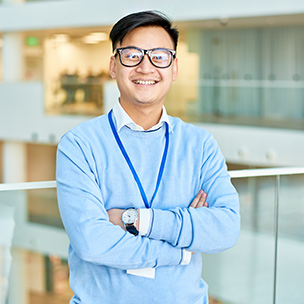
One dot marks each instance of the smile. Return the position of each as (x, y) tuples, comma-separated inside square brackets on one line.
[(145, 82)]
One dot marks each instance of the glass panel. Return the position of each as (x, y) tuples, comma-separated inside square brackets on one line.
[(1, 163), (290, 269), (242, 76), (248, 103), (1, 61), (76, 72), (244, 274), (43, 208), (33, 248)]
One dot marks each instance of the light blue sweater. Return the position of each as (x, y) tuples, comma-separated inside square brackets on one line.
[(93, 176)]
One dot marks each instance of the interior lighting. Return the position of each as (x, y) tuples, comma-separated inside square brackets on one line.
[(94, 38), (100, 36), (61, 38)]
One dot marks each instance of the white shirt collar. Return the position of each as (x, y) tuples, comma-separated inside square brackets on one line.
[(123, 119)]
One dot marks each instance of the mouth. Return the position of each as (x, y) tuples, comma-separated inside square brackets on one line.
[(145, 82)]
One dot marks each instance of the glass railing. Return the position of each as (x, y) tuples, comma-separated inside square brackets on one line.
[(33, 245), (266, 265)]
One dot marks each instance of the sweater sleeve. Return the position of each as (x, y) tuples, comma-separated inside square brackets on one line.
[(92, 236), (208, 230)]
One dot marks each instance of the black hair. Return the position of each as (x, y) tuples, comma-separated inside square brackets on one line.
[(147, 18)]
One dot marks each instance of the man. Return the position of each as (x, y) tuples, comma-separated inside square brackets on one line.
[(132, 184)]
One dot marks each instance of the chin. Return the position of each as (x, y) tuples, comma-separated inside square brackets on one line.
[(147, 102)]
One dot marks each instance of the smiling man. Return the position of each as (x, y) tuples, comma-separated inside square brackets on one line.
[(132, 184), (144, 81)]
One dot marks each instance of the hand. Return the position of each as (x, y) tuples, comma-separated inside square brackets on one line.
[(115, 217), (200, 200)]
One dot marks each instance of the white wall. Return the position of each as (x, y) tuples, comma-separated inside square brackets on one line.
[(80, 13), (259, 146), (22, 116)]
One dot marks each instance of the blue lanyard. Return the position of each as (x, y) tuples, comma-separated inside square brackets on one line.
[(127, 158)]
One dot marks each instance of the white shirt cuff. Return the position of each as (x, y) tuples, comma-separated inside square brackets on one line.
[(186, 257), (144, 221)]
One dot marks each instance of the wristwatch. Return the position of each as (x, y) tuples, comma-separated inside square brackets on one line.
[(129, 218)]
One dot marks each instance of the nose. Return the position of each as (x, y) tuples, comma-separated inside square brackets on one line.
[(146, 66)]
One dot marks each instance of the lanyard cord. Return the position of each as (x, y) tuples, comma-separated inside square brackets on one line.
[(127, 158)]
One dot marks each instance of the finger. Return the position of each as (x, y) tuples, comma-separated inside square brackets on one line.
[(196, 199), (206, 205), (202, 200)]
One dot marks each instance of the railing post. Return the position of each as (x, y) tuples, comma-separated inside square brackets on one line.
[(276, 233)]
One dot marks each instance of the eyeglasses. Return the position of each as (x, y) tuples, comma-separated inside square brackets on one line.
[(133, 56)]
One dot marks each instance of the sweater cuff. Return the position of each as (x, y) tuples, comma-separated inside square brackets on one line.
[(186, 257), (144, 221)]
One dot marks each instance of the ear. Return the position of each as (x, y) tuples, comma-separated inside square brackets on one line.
[(175, 69), (112, 67)]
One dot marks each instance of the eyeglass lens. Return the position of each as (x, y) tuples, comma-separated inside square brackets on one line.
[(159, 57)]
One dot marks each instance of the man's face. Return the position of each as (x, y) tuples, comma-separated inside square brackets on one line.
[(144, 84)]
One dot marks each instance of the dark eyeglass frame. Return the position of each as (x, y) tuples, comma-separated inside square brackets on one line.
[(144, 52)]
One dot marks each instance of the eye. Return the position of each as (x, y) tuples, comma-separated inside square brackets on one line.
[(132, 55), (159, 56)]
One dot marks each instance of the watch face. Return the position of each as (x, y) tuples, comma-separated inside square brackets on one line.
[(129, 216)]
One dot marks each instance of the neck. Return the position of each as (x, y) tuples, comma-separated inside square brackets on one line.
[(144, 116)]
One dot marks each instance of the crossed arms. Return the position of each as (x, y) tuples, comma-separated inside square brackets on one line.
[(116, 214), (95, 239)]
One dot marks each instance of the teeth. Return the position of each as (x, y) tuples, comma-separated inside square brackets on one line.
[(148, 82)]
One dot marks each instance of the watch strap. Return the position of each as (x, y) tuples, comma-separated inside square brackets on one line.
[(132, 229)]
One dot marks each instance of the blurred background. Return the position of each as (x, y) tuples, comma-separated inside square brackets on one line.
[(241, 76)]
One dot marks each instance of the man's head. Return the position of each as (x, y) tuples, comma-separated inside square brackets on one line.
[(144, 62), (142, 19)]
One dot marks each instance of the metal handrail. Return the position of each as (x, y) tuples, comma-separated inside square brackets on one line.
[(27, 185), (266, 172)]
